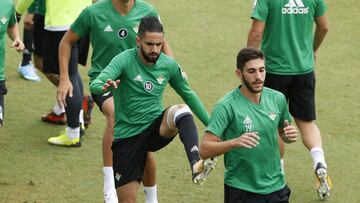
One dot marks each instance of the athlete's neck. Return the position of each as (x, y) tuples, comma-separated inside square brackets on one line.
[(253, 97), (123, 6)]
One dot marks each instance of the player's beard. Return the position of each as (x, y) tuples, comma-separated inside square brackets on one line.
[(151, 57), (250, 88)]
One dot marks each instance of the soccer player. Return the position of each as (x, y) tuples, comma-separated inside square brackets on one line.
[(141, 123), (26, 68), (244, 126), (8, 25), (56, 24), (108, 38), (285, 31)]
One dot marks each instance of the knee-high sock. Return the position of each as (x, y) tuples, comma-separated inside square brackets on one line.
[(28, 36), (189, 137)]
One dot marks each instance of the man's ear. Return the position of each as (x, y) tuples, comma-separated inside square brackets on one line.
[(138, 41), (238, 73)]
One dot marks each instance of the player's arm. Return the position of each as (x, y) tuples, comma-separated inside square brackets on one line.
[(288, 133), (256, 33), (212, 146), (321, 29), (108, 79), (180, 85), (65, 87), (14, 35)]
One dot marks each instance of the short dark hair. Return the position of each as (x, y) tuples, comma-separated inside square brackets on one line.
[(150, 24), (247, 54)]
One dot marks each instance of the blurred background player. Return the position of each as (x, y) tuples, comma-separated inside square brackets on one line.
[(8, 25), (26, 68), (285, 31), (42, 41)]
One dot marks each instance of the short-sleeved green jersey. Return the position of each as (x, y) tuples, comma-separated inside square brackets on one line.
[(138, 99), (7, 19), (110, 33), (257, 169), (288, 36)]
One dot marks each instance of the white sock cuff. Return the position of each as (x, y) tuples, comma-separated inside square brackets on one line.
[(150, 187), (317, 149), (73, 132), (58, 109), (182, 110)]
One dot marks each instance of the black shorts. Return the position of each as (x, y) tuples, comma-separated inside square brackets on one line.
[(129, 154), (100, 99), (299, 91), (38, 36), (234, 195), (83, 44), (51, 55)]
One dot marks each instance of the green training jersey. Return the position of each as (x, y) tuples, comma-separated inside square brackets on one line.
[(110, 33), (7, 19), (288, 36), (138, 98), (257, 169)]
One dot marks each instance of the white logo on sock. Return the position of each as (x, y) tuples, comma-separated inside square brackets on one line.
[(194, 148)]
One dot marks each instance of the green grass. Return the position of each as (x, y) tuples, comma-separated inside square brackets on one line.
[(205, 37)]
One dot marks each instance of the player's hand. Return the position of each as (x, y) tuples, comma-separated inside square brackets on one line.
[(18, 45), (290, 134), (248, 140), (110, 83), (64, 88), (28, 21)]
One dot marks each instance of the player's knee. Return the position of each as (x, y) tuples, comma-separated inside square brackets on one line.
[(175, 113)]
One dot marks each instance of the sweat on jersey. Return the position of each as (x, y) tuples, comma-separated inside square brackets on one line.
[(288, 36), (256, 169), (138, 98), (110, 33), (7, 19)]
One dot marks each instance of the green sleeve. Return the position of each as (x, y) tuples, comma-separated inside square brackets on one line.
[(112, 71), (320, 8), (12, 20), (219, 121), (32, 7), (179, 83), (260, 10), (22, 5), (81, 26), (285, 115)]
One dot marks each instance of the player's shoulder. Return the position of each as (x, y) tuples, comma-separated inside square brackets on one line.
[(167, 60), (98, 6), (228, 99), (268, 92), (145, 5)]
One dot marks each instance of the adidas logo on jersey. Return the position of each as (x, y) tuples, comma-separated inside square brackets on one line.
[(108, 29), (138, 78), (295, 7)]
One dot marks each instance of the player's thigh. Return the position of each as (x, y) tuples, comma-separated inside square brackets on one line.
[(129, 158), (280, 83), (302, 97), (38, 36)]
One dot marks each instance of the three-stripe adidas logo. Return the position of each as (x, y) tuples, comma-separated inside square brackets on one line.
[(108, 29), (295, 7)]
